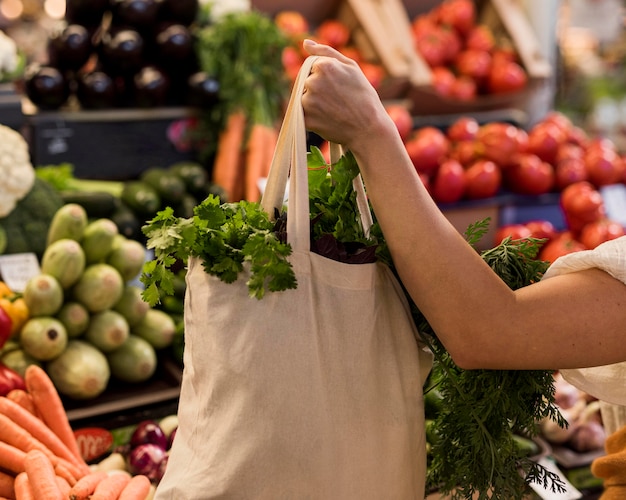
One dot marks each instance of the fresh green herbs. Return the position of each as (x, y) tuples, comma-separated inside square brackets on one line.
[(224, 237)]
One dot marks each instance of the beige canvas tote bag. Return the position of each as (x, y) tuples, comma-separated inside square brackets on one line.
[(312, 393)]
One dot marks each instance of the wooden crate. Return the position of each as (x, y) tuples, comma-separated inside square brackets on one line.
[(507, 20)]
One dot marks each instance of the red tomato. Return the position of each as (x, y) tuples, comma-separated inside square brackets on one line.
[(581, 204), (334, 33), (559, 119), (292, 23), (465, 152), (569, 171), (543, 229), (578, 136), (499, 142), (544, 140), (568, 150), (597, 232), (427, 147), (464, 88), (353, 53), (562, 244), (422, 25), (373, 72), (506, 76), (474, 63), (453, 43), (514, 231), (402, 118), (292, 60), (464, 128), (530, 175), (432, 47), (448, 183), (480, 37), (603, 166), (483, 179), (459, 14), (442, 80)]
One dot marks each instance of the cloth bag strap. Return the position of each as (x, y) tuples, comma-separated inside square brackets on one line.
[(289, 164)]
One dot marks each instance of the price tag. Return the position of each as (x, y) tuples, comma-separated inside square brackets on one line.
[(570, 492), (16, 269), (614, 197)]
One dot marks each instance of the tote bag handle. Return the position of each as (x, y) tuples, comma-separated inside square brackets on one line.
[(289, 164)]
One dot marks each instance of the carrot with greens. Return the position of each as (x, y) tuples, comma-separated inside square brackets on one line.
[(42, 476), (40, 431), (111, 487), (7, 485), (86, 485), (48, 402), (23, 488), (228, 167), (136, 489)]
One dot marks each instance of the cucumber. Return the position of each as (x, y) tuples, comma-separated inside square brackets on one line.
[(141, 198), (44, 338), (128, 257), (43, 295), (157, 327), (99, 288), (128, 224), (192, 173), (135, 361), (107, 330), (75, 318), (131, 305), (98, 239), (65, 260), (69, 221), (81, 372), (97, 204), (167, 184)]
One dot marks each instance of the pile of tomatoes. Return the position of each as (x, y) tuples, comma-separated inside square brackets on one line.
[(333, 32), (465, 58)]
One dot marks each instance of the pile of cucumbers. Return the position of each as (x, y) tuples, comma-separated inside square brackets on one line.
[(181, 185)]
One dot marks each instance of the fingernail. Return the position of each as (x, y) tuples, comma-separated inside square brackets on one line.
[(309, 42)]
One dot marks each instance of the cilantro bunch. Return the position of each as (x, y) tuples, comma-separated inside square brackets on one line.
[(481, 410)]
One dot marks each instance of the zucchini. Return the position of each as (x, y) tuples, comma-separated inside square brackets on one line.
[(97, 204), (141, 198), (128, 224), (193, 175), (167, 184)]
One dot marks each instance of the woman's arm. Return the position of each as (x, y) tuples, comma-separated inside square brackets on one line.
[(567, 321)]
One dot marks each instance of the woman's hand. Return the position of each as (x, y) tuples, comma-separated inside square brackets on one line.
[(339, 103)]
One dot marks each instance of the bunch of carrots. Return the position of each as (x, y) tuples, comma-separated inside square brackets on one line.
[(39, 454), (243, 50)]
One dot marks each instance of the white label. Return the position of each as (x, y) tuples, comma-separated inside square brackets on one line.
[(614, 197), (16, 269)]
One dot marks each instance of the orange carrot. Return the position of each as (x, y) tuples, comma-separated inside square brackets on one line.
[(136, 489), (272, 140), (41, 476), (64, 471), (22, 398), (7, 485), (256, 157), (48, 402), (111, 487), (227, 166), (86, 485), (40, 431), (11, 458), (23, 489), (64, 487)]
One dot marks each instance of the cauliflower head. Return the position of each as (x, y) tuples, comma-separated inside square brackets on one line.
[(16, 170)]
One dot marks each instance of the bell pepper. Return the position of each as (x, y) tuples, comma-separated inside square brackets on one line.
[(5, 327), (15, 306), (9, 380)]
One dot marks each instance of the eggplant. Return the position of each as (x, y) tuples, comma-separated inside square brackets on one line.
[(96, 90), (70, 48), (46, 86), (184, 12), (122, 51), (85, 12), (150, 87), (203, 90), (137, 14)]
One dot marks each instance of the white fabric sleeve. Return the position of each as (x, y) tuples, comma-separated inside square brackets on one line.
[(607, 383)]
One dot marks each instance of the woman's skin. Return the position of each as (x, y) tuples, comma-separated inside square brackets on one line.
[(569, 321)]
